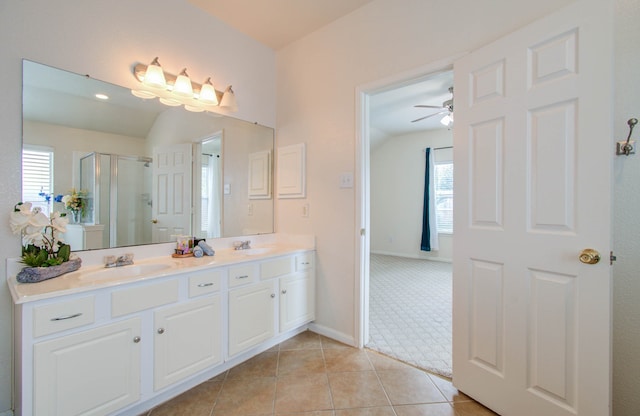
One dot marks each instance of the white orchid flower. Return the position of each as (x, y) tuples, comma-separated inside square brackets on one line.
[(59, 223), (19, 219)]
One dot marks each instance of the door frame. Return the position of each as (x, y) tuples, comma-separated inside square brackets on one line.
[(363, 213)]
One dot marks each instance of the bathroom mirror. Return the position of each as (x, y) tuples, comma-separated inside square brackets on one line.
[(123, 154)]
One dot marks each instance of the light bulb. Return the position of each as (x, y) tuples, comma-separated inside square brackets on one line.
[(154, 76), (208, 93), (229, 100), (447, 120), (182, 86)]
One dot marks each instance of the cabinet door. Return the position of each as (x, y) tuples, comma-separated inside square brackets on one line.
[(94, 372), (251, 315), (297, 300), (188, 338)]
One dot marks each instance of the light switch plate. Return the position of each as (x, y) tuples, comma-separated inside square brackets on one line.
[(346, 180)]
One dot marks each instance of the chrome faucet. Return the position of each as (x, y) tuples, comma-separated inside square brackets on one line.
[(242, 245), (124, 260)]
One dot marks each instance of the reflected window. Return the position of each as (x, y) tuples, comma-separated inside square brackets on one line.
[(37, 176)]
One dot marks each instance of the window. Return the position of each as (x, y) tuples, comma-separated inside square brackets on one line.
[(444, 196), (37, 176)]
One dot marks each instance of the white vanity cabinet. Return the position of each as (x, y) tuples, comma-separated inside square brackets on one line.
[(251, 316), (126, 347), (91, 372), (297, 294), (187, 339)]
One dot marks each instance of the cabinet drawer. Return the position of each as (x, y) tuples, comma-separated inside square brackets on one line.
[(139, 298), (204, 282), (241, 275), (60, 316), (304, 261), (274, 268)]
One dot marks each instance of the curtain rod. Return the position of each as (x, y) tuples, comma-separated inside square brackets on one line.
[(440, 148)]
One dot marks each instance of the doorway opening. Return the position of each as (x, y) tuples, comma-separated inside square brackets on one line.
[(407, 291)]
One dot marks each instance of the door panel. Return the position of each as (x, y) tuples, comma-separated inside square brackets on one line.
[(533, 188), (172, 176)]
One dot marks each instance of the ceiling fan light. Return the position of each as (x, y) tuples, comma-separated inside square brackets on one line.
[(447, 120)]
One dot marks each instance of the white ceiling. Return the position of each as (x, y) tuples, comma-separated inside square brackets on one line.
[(276, 23)]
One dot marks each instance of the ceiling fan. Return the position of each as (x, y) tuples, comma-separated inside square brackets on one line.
[(446, 108)]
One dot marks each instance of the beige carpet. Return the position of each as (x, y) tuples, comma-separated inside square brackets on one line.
[(410, 311)]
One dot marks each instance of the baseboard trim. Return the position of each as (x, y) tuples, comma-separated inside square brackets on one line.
[(411, 256), (332, 333)]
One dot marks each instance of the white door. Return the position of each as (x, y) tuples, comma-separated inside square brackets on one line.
[(172, 176), (533, 156)]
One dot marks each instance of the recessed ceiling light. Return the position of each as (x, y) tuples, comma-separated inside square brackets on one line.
[(102, 96)]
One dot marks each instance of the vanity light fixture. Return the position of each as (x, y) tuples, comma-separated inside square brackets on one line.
[(229, 99), (154, 75), (180, 90), (182, 86), (208, 93)]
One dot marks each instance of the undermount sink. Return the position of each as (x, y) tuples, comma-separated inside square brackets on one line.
[(133, 270), (254, 251)]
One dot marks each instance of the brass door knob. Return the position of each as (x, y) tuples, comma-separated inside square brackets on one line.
[(589, 256), (154, 221)]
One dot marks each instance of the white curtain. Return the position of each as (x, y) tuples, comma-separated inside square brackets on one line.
[(213, 196)]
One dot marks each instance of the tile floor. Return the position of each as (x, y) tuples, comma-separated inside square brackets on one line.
[(316, 376)]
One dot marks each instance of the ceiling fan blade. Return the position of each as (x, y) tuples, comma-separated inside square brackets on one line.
[(430, 115), (428, 106)]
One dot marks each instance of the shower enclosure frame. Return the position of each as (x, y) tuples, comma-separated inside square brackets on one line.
[(96, 189)]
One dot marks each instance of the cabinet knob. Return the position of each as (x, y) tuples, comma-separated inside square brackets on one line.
[(160, 331), (284, 291), (273, 295), (136, 339)]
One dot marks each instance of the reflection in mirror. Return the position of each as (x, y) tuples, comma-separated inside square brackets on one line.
[(147, 172)]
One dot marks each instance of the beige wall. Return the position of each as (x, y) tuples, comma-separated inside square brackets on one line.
[(105, 39), (397, 190)]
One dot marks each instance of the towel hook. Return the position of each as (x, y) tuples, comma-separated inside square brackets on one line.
[(626, 148)]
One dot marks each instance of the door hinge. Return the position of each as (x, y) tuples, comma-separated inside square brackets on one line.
[(362, 231), (612, 258)]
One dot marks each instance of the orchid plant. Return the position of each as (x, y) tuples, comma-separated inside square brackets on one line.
[(42, 244)]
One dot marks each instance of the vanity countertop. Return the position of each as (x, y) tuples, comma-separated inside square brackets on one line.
[(96, 276)]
